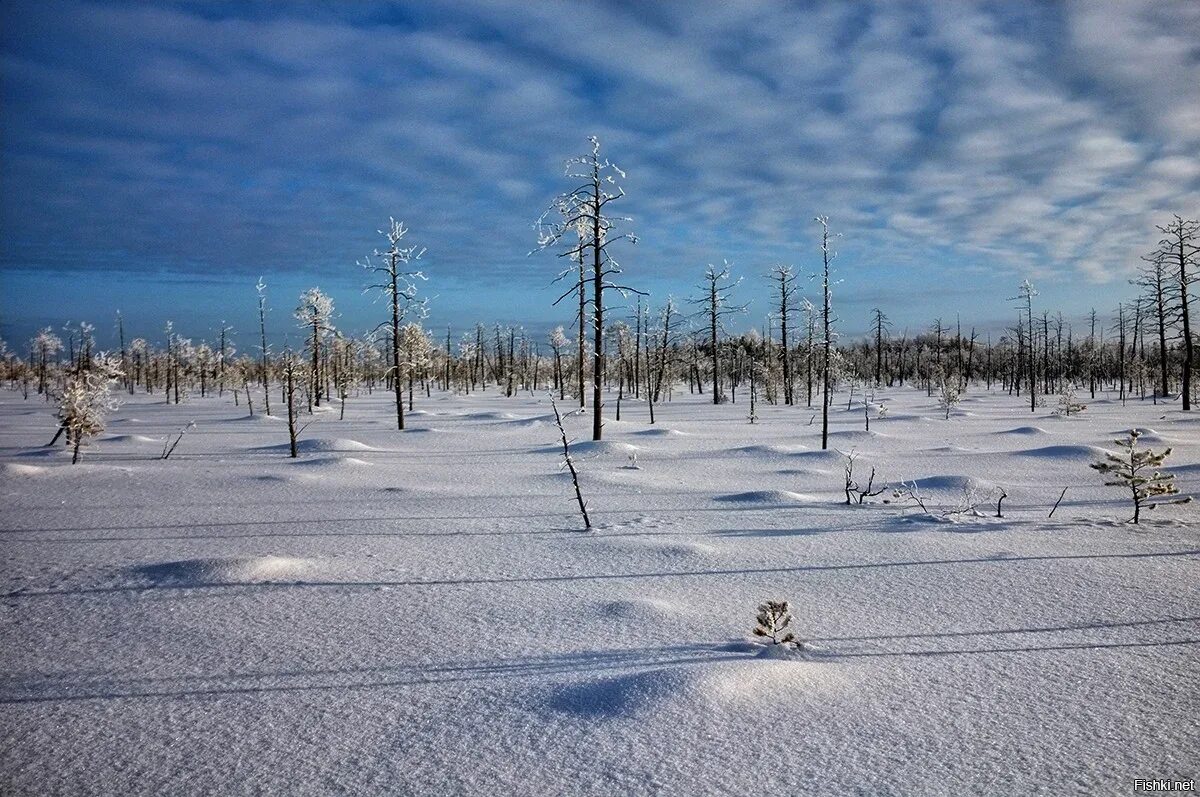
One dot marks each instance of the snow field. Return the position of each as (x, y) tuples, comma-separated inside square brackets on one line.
[(419, 613)]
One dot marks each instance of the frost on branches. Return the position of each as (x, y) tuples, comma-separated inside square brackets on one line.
[(1138, 471), (86, 400), (772, 623), (1068, 405)]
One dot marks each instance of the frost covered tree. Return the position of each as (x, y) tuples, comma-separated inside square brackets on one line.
[(314, 313), (43, 347), (949, 394), (558, 341), (584, 211), (417, 354), (86, 400), (714, 303), (1137, 470), (264, 350), (664, 341), (1068, 405), (399, 286)]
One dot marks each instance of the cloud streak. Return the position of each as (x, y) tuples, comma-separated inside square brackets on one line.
[(1024, 139)]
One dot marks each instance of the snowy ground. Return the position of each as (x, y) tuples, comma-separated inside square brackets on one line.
[(419, 612)]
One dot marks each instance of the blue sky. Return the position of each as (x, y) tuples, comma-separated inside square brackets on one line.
[(158, 158)]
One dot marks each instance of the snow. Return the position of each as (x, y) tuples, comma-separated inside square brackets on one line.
[(421, 613)]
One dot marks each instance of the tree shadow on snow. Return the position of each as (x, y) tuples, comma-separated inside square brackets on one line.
[(591, 698)]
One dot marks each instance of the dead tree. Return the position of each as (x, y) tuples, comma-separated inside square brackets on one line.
[(584, 211), (399, 287), (1179, 247), (262, 330), (785, 282), (827, 255), (1025, 294), (714, 308), (570, 465), (880, 325)]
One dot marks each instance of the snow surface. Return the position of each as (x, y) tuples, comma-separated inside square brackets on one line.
[(417, 613)]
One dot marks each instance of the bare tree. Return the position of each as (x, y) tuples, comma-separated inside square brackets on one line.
[(880, 324), (314, 312), (1025, 294), (292, 377), (714, 308), (584, 210), (570, 465), (827, 255), (399, 286), (1155, 279), (1179, 246), (785, 281), (261, 287)]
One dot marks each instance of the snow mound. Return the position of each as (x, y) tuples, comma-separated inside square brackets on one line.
[(15, 470), (661, 431), (766, 497), (321, 445), (767, 450), (131, 438), (732, 679), (596, 448), (624, 695), (1146, 435), (1024, 430), (954, 484), (775, 670), (233, 570), (640, 609), (820, 457), (1064, 452), (856, 434)]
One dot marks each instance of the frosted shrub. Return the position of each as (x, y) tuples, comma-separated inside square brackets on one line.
[(86, 400), (1067, 403), (949, 396), (772, 622)]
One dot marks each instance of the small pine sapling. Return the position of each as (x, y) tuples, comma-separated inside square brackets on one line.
[(772, 623), (1067, 403), (1137, 470)]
